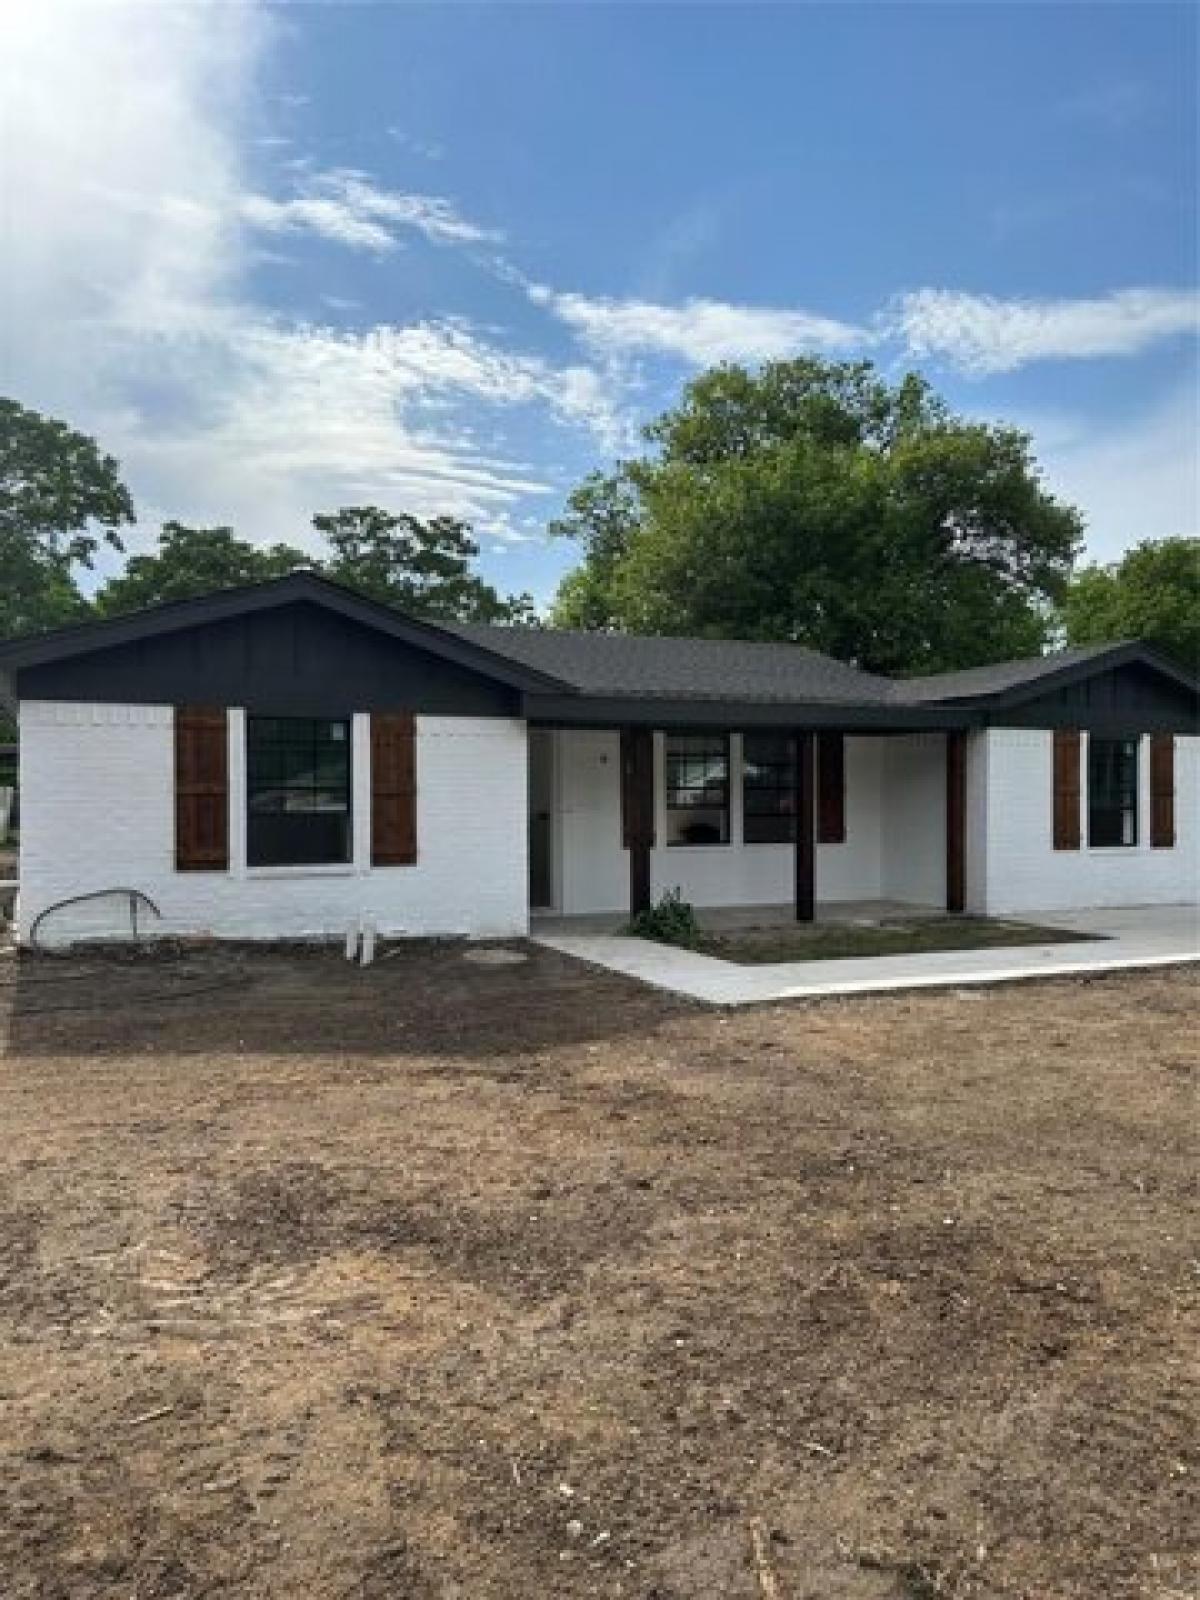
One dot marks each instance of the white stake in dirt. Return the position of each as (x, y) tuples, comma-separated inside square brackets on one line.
[(368, 945), (352, 942)]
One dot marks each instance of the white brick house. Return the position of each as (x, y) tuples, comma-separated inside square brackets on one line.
[(287, 760)]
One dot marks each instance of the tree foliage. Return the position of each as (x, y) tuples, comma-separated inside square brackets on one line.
[(1152, 593), (813, 501), (60, 497), (422, 566), (193, 561)]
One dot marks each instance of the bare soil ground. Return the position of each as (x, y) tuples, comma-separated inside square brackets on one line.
[(444, 1280)]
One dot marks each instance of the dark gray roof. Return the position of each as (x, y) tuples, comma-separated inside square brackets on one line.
[(645, 667), (973, 683), (608, 667)]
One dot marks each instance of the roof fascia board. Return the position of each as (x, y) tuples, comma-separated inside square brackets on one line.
[(611, 711)]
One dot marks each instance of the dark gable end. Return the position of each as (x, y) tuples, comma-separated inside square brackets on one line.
[(297, 659), (1132, 698), (1120, 689)]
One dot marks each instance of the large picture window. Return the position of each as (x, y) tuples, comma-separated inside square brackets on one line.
[(768, 788), (697, 788), (1112, 791), (297, 791)]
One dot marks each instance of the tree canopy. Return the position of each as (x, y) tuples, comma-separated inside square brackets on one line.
[(816, 502), (420, 565), (60, 497), (1152, 593), (192, 561), (423, 567)]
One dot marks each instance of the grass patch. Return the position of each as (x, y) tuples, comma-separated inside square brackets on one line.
[(899, 937)]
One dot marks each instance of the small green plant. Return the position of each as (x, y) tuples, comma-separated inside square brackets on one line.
[(671, 921)]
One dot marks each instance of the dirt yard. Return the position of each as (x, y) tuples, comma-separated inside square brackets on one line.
[(447, 1280)]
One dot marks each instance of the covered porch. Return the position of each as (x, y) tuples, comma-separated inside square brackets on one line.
[(752, 826)]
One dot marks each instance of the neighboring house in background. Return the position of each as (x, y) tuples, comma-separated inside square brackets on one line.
[(284, 760)]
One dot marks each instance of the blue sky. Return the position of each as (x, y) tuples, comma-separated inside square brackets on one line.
[(450, 257)]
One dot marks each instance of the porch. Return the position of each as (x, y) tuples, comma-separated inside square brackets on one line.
[(753, 827)]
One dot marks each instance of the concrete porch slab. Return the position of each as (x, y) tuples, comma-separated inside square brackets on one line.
[(1134, 936)]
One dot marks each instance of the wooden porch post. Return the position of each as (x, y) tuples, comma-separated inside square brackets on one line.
[(637, 809), (805, 808), (956, 820)]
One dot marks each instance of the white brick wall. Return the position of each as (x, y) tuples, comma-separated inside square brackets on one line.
[(1023, 870), (98, 811)]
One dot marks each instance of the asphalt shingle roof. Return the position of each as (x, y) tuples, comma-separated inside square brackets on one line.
[(972, 682), (648, 668), (695, 669)]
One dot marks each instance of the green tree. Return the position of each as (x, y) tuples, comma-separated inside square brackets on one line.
[(60, 498), (1152, 593), (193, 561), (422, 566), (812, 501)]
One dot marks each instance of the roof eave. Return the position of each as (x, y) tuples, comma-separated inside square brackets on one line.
[(586, 710), (84, 638)]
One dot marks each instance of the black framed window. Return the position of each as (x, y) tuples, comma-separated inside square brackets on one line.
[(697, 788), (297, 791), (768, 788), (1112, 791)]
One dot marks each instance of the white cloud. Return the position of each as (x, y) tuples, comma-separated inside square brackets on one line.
[(1135, 479), (700, 332), (125, 309), (982, 334), (346, 207)]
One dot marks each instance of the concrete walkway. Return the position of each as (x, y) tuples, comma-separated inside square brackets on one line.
[(1136, 936)]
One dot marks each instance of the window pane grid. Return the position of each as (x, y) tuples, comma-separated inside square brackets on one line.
[(297, 791), (768, 788), (697, 785), (1112, 791)]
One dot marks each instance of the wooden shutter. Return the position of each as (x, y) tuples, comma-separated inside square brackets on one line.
[(201, 789), (831, 789), (1066, 789), (1162, 791), (393, 788)]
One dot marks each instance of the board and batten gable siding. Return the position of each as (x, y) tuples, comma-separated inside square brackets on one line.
[(293, 660), (1023, 871), (1131, 699), (99, 790)]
